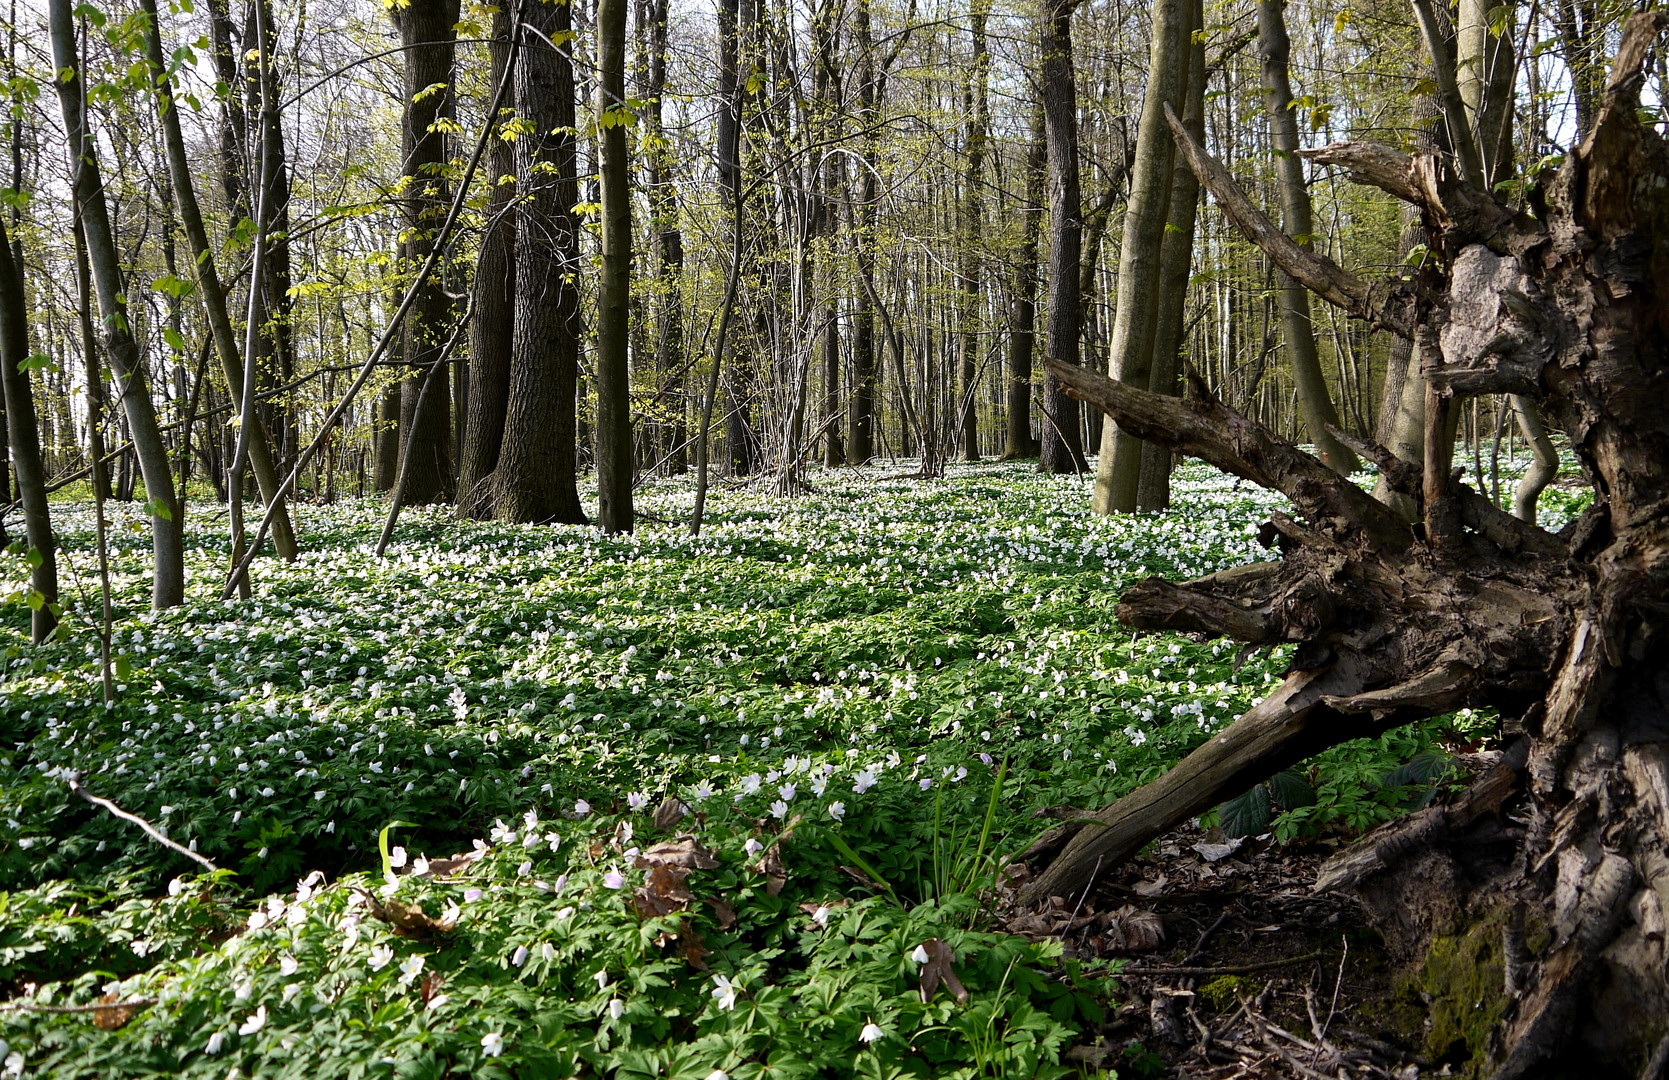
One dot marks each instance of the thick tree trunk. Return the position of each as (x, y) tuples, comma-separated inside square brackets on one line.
[(1022, 308), (492, 327), (1119, 468), (1063, 449), (860, 446), (535, 480), (428, 33), (614, 285), (167, 541), (1564, 635)]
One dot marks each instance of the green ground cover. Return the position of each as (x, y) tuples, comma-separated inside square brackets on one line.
[(888, 675)]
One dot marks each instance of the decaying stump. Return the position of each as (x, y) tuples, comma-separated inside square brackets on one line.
[(1563, 634)]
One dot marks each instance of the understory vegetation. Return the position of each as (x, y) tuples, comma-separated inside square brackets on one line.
[(723, 805)]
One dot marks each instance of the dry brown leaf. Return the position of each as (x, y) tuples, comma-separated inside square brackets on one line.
[(408, 920), (1130, 930), (668, 813), (112, 1018), (770, 864), (723, 912), (430, 986), (692, 948), (453, 864), (686, 851), (1149, 888), (663, 892), (938, 969)]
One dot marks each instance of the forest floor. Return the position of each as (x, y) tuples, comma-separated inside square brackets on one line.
[(725, 807)]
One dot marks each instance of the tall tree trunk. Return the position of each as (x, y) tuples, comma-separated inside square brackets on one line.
[(976, 103), (209, 287), (167, 542), (1565, 635), (275, 359), (24, 442), (429, 36), (1118, 470), (861, 446), (614, 286), (1063, 450), (492, 327), (1314, 400), (536, 476), (1022, 309), (1176, 265), (664, 212)]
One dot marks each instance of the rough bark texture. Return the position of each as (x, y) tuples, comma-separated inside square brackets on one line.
[(1469, 606), (535, 480), (428, 34), (1063, 441), (492, 328)]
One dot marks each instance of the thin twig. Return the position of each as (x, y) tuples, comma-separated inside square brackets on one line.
[(150, 830), (1242, 969), (98, 1006)]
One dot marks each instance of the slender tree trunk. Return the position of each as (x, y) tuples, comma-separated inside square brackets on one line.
[(664, 214), (614, 287), (976, 103), (1314, 400), (1176, 265), (492, 328), (861, 446), (92, 368), (536, 477), (428, 33), (209, 287), (168, 554), (1063, 450), (24, 442), (1022, 309)]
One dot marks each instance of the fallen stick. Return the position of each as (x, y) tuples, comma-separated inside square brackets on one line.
[(150, 830)]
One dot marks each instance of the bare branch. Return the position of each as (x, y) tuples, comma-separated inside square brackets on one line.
[(1209, 430), (1317, 273), (150, 830), (1372, 164)]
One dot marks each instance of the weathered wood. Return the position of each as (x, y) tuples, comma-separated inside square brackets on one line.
[(1206, 428)]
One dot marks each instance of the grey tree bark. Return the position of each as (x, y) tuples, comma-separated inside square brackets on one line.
[(167, 545), (1176, 265), (492, 328), (1118, 470)]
